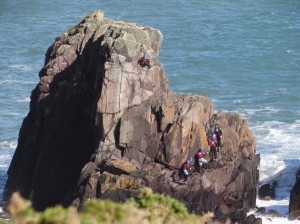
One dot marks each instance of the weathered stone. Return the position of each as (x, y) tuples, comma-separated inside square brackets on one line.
[(101, 126), (119, 167), (273, 213), (238, 216), (250, 219), (112, 182), (88, 190), (258, 221), (267, 190), (261, 211)]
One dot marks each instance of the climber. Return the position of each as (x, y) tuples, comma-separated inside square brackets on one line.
[(213, 148), (212, 132), (212, 135), (187, 168), (200, 155), (143, 61), (219, 134)]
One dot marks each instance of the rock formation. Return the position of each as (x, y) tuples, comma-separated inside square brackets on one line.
[(294, 206), (101, 126), (267, 191)]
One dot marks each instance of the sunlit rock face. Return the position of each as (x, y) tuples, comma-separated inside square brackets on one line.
[(100, 125)]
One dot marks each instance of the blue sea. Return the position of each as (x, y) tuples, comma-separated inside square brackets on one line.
[(244, 55)]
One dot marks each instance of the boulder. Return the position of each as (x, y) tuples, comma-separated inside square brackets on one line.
[(261, 211), (267, 191), (258, 221), (250, 219), (273, 213), (101, 126), (119, 166)]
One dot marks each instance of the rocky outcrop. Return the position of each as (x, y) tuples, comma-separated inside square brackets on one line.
[(294, 206), (267, 191), (101, 126)]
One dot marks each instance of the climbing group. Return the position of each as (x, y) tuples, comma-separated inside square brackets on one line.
[(215, 144), (200, 163)]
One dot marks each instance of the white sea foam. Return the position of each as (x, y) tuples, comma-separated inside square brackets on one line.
[(25, 100), (21, 51), (21, 67), (8, 144), (5, 81), (15, 114), (4, 165), (290, 51), (282, 136), (283, 172), (265, 110), (281, 206), (5, 159), (283, 90), (278, 143), (24, 82), (238, 101)]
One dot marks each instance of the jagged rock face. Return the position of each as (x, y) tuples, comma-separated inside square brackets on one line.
[(294, 205), (101, 126), (90, 77), (169, 129)]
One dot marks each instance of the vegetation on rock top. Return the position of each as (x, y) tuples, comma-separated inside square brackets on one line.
[(147, 208)]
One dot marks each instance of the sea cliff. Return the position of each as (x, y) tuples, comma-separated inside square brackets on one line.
[(101, 126)]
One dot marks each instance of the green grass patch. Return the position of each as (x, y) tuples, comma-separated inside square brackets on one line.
[(147, 208)]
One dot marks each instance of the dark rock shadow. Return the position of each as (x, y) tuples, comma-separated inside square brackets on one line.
[(58, 136)]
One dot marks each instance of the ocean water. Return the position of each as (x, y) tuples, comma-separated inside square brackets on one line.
[(244, 55)]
